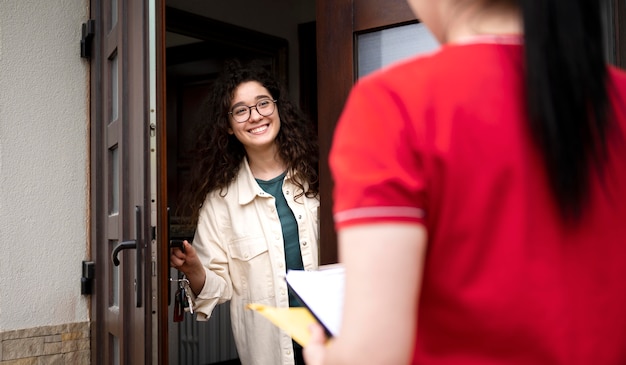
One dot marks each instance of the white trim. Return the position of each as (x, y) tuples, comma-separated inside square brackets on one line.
[(379, 212)]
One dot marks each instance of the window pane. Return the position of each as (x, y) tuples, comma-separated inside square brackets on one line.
[(114, 181), (113, 15), (114, 280), (381, 48), (114, 92), (114, 355)]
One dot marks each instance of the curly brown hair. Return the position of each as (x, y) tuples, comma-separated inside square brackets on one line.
[(219, 154)]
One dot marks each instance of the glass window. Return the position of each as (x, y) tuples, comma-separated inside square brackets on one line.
[(380, 48)]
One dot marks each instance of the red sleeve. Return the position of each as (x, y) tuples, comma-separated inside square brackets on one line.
[(376, 160)]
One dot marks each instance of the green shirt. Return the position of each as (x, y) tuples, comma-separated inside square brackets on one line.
[(293, 256)]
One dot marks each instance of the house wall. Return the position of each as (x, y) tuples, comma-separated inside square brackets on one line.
[(44, 128)]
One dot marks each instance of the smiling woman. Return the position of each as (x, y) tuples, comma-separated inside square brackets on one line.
[(254, 196), (257, 129)]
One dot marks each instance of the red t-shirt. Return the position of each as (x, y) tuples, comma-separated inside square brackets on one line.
[(442, 140)]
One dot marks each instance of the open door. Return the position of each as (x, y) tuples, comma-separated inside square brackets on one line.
[(340, 24), (124, 197)]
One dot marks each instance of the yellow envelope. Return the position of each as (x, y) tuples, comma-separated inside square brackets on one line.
[(294, 321)]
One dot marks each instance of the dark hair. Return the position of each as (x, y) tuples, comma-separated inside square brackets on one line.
[(566, 78), (218, 154)]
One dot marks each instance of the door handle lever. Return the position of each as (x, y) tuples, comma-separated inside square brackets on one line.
[(125, 245), (138, 245)]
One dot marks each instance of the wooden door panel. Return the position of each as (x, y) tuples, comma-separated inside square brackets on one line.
[(619, 10), (337, 23), (120, 190), (372, 14), (335, 77)]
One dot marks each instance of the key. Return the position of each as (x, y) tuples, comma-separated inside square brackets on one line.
[(183, 296), (189, 307), (179, 312)]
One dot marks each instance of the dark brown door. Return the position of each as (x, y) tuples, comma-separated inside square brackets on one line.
[(617, 38), (339, 22), (124, 131)]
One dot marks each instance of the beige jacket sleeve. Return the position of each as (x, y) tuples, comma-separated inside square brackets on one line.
[(209, 244)]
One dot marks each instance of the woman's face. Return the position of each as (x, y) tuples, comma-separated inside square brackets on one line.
[(258, 132)]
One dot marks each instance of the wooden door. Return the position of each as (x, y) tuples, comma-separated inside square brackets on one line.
[(124, 196), (617, 32), (339, 22)]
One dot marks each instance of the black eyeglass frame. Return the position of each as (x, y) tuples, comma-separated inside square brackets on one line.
[(255, 106)]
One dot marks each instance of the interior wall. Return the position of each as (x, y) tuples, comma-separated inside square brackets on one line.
[(279, 18), (44, 138)]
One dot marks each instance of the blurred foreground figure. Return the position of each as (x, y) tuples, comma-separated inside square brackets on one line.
[(480, 195)]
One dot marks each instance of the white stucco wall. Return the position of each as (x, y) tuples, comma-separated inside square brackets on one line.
[(43, 163)]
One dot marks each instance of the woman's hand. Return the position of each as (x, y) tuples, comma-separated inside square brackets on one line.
[(315, 351), (384, 266), (189, 263)]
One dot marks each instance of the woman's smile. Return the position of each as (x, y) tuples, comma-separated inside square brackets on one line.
[(259, 129)]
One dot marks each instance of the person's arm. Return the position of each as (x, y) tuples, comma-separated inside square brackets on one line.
[(384, 264), (205, 263)]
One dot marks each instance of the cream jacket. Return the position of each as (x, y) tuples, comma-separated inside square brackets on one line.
[(239, 240)]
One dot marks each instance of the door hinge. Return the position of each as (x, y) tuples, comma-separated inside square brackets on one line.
[(86, 281), (89, 30)]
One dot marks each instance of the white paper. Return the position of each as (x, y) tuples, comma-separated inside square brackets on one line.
[(322, 292)]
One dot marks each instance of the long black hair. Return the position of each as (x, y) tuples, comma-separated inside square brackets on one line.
[(566, 76), (218, 154)]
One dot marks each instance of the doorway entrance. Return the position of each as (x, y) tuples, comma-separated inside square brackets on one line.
[(198, 40)]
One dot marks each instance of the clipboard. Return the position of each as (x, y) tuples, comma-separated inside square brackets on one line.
[(321, 294)]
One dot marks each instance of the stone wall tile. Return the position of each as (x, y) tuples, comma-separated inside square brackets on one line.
[(22, 348), (50, 345)]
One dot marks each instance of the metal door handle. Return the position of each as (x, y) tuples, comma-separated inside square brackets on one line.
[(125, 245), (138, 245)]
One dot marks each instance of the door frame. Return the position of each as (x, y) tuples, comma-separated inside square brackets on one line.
[(217, 41), (619, 23), (336, 41), (160, 243)]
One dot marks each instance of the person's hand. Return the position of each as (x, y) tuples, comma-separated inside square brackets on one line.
[(189, 263), (315, 352), (184, 261)]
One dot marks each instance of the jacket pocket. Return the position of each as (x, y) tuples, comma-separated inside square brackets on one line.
[(251, 270)]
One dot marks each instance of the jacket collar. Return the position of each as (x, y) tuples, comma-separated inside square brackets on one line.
[(247, 187)]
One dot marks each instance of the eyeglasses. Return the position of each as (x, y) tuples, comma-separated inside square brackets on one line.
[(265, 107)]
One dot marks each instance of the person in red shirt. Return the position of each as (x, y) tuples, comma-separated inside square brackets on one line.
[(480, 195)]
